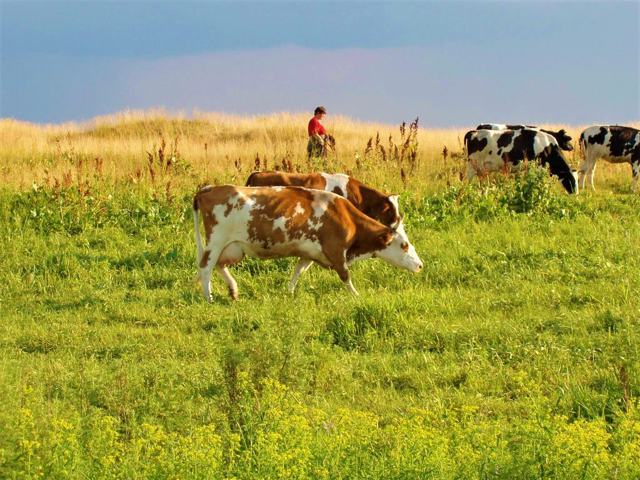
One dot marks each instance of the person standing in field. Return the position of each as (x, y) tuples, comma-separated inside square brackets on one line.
[(317, 133)]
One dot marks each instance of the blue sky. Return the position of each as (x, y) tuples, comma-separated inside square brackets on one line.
[(451, 63)]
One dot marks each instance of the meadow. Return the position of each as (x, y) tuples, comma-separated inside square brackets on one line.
[(514, 354)]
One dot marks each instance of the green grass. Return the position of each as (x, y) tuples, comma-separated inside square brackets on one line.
[(513, 355)]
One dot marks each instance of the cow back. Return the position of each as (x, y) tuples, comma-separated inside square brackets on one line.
[(283, 179)]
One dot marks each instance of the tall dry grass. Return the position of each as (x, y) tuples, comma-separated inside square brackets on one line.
[(158, 147)]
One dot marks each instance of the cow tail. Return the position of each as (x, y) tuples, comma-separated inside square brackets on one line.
[(582, 144), (196, 230), (467, 136)]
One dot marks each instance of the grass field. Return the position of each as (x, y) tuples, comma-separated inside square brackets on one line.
[(513, 355)]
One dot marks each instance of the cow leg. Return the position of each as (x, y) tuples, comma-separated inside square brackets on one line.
[(350, 287), (209, 258), (591, 172), (233, 286), (586, 170), (583, 175), (471, 172), (635, 169), (301, 267), (343, 273)]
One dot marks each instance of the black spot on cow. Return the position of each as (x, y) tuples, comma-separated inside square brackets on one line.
[(623, 141), (505, 138), (473, 143), (523, 146), (599, 137)]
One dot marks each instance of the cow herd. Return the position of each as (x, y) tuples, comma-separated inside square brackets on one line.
[(329, 219), (334, 220), (495, 147)]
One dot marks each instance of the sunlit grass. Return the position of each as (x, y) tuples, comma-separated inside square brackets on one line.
[(513, 355)]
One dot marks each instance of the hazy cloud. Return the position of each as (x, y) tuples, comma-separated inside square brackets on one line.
[(451, 63)]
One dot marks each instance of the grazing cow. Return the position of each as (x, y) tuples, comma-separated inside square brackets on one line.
[(615, 144), (495, 150), (561, 136), (314, 225), (368, 200)]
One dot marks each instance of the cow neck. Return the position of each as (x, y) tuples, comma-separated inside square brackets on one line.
[(369, 236)]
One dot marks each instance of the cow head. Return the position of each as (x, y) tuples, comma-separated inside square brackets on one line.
[(559, 167), (564, 140), (398, 251), (570, 182), (385, 210)]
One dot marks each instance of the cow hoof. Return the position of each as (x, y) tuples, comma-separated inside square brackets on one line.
[(233, 294)]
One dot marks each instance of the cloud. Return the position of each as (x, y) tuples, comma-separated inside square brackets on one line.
[(456, 85)]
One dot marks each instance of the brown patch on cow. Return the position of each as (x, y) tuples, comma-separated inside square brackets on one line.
[(227, 210), (272, 205), (405, 246), (207, 199), (338, 191), (240, 203), (205, 258), (372, 202), (370, 235)]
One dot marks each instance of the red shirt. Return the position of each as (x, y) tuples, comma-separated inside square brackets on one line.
[(316, 127)]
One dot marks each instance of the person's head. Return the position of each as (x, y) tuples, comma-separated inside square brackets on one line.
[(319, 112)]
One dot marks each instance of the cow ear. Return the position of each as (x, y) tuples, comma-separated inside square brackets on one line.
[(386, 237)]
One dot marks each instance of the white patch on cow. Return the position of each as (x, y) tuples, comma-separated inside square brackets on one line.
[(299, 210), (497, 126), (336, 180), (319, 205), (483, 162), (396, 255), (280, 224)]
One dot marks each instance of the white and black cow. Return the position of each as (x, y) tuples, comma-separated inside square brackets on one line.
[(496, 150), (615, 144), (313, 225), (561, 136)]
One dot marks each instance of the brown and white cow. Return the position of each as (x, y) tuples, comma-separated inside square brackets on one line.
[(314, 225), (615, 144), (368, 200)]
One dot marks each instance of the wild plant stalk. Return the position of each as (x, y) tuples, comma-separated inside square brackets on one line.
[(140, 147)]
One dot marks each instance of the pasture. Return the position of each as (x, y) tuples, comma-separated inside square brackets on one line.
[(514, 354)]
